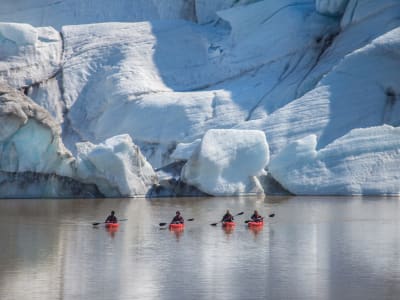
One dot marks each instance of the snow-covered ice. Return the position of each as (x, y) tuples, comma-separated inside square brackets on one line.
[(70, 12), (20, 34), (331, 7), (360, 92), (28, 55)]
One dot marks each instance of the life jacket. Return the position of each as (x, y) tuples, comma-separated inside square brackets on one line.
[(111, 219), (178, 219), (227, 218), (257, 218)]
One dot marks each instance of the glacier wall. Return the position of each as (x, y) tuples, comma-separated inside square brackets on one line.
[(151, 79)]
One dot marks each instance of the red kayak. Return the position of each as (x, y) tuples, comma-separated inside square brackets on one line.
[(176, 226), (255, 224), (112, 225), (228, 224)]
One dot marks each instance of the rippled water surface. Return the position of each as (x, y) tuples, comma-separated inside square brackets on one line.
[(314, 248)]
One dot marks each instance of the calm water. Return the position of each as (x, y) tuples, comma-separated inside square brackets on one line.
[(314, 248)]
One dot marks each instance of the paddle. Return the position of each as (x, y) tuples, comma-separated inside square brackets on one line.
[(97, 223), (271, 216), (238, 214), (163, 224)]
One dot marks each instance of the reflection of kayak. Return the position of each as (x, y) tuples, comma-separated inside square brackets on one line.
[(112, 225), (255, 224), (228, 224), (176, 226)]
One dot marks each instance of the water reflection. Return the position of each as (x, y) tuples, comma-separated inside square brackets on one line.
[(112, 231), (255, 230), (228, 229), (177, 232), (314, 248)]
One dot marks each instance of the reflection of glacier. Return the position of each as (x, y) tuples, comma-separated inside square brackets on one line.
[(317, 78), (314, 248), (340, 250)]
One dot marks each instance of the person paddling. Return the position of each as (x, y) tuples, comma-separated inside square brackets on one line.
[(227, 217), (256, 217), (112, 218), (178, 219)]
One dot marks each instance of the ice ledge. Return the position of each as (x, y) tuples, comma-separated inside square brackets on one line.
[(364, 161)]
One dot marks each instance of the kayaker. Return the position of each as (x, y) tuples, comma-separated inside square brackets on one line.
[(256, 217), (178, 219), (227, 217), (112, 218)]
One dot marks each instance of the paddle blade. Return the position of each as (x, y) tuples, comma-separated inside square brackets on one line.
[(241, 213), (272, 215), (96, 223), (213, 224), (192, 219), (247, 221), (162, 224)]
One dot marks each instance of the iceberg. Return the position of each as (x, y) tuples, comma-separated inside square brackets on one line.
[(117, 166), (227, 162)]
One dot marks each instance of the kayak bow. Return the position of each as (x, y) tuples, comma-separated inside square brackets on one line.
[(228, 224), (255, 224), (112, 225), (176, 226)]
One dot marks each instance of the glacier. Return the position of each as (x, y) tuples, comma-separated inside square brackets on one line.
[(129, 100)]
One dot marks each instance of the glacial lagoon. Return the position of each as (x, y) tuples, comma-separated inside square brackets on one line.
[(313, 248)]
